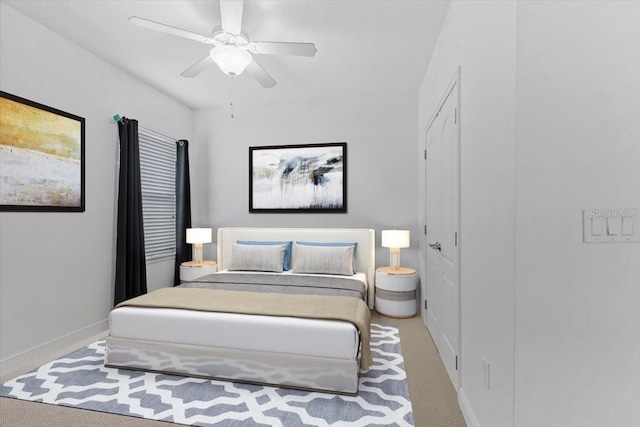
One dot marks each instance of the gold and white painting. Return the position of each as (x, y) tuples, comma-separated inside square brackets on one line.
[(41, 157)]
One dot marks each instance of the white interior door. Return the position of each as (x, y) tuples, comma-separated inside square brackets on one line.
[(442, 219)]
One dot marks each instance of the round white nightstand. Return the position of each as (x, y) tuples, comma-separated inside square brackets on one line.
[(396, 292), (191, 271)]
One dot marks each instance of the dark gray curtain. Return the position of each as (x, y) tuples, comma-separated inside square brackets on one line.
[(131, 270), (183, 206)]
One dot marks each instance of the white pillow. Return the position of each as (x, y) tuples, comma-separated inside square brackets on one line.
[(257, 258), (323, 259)]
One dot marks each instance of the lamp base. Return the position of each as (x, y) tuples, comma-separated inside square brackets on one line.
[(394, 257), (197, 253)]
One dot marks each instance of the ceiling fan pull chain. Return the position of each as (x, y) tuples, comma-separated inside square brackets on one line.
[(232, 97)]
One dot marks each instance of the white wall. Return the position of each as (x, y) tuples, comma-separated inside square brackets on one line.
[(578, 147), (550, 126), (57, 269), (480, 37), (382, 177)]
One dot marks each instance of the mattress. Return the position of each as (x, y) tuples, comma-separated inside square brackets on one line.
[(307, 337)]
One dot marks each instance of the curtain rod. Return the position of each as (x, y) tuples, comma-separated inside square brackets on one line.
[(117, 118)]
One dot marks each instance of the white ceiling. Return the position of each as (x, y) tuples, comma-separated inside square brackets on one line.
[(366, 48)]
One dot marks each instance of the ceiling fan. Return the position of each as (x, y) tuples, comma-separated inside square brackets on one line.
[(232, 51)]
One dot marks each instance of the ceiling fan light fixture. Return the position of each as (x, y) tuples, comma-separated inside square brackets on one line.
[(232, 60)]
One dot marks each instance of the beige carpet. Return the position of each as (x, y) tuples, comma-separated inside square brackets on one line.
[(433, 398)]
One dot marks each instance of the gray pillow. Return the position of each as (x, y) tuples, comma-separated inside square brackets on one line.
[(323, 259), (257, 258)]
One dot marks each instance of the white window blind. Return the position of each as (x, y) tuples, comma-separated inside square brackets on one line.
[(158, 180)]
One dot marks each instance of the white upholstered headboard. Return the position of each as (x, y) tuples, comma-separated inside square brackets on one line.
[(365, 256)]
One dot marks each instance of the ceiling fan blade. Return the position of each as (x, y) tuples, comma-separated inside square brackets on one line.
[(145, 23), (258, 73), (283, 48), (198, 67), (231, 14)]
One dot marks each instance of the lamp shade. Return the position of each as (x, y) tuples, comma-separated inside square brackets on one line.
[(396, 238), (198, 235), (231, 59)]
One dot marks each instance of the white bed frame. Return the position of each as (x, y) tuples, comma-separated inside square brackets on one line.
[(336, 375)]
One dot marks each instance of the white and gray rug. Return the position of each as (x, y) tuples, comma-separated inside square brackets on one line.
[(80, 380)]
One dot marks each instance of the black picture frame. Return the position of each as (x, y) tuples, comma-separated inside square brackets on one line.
[(304, 178), (42, 157)]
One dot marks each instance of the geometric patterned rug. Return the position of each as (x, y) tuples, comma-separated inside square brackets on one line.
[(81, 380)]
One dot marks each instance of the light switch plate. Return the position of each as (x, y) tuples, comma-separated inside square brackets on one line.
[(611, 225)]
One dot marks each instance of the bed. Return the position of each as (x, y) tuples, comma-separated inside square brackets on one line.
[(260, 337)]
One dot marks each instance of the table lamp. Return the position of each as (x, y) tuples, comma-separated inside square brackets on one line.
[(394, 240), (198, 236)]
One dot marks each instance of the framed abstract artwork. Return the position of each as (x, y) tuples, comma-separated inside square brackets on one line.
[(310, 178), (42, 158)]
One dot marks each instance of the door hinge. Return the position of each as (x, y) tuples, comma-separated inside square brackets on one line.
[(425, 230), (425, 154), (455, 119), (456, 238), (456, 362), (425, 304)]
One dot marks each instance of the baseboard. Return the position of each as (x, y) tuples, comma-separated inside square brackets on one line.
[(469, 416), (36, 356)]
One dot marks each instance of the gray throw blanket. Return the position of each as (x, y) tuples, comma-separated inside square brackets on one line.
[(282, 284)]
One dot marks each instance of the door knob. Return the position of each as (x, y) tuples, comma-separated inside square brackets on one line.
[(436, 246)]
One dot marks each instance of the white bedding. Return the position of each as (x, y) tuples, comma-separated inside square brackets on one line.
[(310, 337), (307, 337)]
